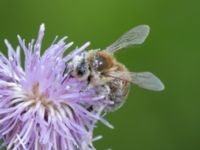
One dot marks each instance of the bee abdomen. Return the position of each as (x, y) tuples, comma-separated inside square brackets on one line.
[(118, 94)]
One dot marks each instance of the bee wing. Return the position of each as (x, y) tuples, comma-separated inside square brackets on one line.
[(135, 36), (146, 80)]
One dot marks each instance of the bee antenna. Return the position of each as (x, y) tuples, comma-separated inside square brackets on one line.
[(67, 76)]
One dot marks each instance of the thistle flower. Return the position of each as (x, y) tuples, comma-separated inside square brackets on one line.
[(41, 107)]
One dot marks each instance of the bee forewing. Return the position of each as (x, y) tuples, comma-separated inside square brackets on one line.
[(147, 80), (135, 36)]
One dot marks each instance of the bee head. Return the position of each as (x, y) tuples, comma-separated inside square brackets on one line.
[(80, 67)]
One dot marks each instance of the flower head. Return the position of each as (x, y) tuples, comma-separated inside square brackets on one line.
[(41, 106)]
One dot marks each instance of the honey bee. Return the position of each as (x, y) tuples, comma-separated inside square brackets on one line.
[(100, 68)]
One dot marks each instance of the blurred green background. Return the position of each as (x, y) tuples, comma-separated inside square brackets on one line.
[(168, 120)]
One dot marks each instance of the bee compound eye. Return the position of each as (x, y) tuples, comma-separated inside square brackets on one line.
[(82, 70)]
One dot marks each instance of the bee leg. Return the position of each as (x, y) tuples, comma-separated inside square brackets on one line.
[(90, 108), (86, 88)]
